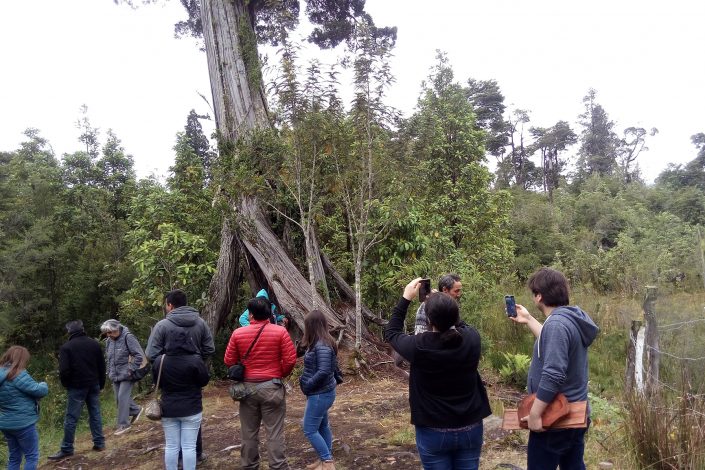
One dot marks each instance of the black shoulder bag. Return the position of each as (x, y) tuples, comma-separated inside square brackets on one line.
[(237, 372)]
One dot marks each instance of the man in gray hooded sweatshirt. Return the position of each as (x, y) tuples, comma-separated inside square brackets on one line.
[(559, 365), (181, 318)]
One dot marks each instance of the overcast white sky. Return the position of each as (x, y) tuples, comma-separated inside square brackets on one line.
[(645, 58)]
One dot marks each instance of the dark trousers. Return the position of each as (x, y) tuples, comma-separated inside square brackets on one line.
[(552, 449), (76, 398)]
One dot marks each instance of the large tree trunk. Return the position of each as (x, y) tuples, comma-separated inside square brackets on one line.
[(240, 107), (291, 289), (238, 100)]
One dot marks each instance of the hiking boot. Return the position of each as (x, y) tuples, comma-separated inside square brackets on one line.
[(60, 455), (122, 429), (137, 416), (328, 465), (98, 448), (314, 465)]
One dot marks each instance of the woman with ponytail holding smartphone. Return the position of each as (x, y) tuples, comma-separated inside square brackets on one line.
[(447, 398)]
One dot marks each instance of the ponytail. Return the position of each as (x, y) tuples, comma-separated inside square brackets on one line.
[(451, 338)]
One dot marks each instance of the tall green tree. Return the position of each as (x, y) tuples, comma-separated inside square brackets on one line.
[(466, 221), (598, 141), (552, 142)]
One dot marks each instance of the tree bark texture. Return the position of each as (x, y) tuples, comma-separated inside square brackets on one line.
[(238, 101), (287, 283), (223, 288)]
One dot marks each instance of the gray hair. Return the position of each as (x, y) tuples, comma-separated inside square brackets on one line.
[(110, 326), (74, 326), (447, 281)]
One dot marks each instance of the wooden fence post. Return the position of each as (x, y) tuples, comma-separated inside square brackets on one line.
[(630, 378), (651, 339)]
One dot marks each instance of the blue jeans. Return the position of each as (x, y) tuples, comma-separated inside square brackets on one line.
[(180, 434), (547, 450), (449, 450), (76, 398), (23, 442), (316, 427)]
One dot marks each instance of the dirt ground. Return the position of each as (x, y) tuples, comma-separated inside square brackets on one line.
[(370, 423)]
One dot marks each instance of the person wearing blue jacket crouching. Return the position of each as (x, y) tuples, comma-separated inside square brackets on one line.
[(318, 383), (19, 408), (276, 317)]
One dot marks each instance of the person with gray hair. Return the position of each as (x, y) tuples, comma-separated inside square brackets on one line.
[(448, 283), (82, 372), (124, 355)]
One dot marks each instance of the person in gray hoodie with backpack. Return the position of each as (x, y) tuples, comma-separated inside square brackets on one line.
[(559, 365), (124, 356), (179, 317)]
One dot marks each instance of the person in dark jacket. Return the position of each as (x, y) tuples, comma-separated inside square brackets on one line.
[(318, 384), (447, 397), (559, 365), (82, 372), (182, 376), (179, 315), (124, 355), (19, 408)]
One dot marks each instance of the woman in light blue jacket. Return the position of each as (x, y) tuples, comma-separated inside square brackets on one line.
[(19, 408)]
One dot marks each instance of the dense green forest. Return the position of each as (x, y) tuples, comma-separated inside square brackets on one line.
[(82, 237), (462, 185)]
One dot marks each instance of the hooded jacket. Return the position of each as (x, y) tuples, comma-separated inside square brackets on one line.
[(118, 352), (560, 359), (445, 387), (18, 400), (81, 362), (183, 375), (181, 317), (245, 316)]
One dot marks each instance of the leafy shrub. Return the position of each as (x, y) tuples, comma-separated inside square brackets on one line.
[(515, 370)]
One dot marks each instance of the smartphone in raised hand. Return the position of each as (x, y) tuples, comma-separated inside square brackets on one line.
[(424, 289), (510, 305)]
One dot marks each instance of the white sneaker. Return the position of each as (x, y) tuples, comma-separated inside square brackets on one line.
[(122, 430)]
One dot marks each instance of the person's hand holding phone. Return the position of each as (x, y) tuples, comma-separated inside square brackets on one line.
[(523, 315), (412, 289), (424, 289)]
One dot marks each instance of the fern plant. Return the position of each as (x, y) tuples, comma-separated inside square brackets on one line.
[(515, 369)]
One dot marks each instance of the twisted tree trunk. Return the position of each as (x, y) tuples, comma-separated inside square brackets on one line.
[(240, 107)]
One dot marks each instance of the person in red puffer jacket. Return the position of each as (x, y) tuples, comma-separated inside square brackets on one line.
[(272, 358)]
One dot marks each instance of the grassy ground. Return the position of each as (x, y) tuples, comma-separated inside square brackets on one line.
[(370, 422)]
